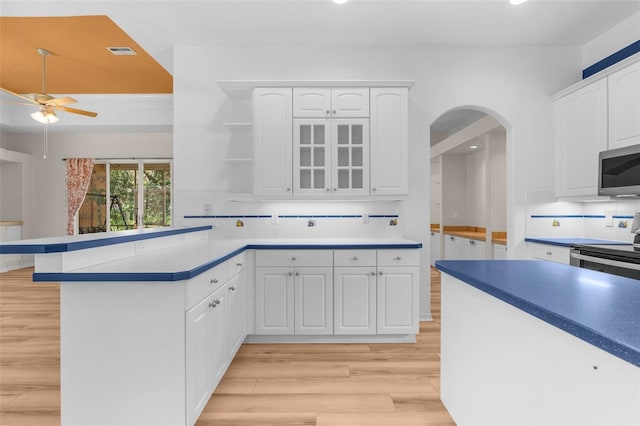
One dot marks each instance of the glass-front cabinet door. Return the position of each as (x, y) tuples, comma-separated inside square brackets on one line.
[(312, 157), (350, 157)]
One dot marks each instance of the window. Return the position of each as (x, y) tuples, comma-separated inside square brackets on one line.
[(114, 196)]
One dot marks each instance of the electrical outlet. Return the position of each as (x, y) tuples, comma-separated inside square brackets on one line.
[(609, 220)]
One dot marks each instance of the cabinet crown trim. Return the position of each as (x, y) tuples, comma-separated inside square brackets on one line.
[(250, 84)]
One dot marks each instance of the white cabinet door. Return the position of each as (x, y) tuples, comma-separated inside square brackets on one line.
[(435, 247), (499, 252), (219, 335), (354, 300), (199, 358), (313, 301), (581, 133), (397, 300), (473, 249), (549, 252), (312, 157), (274, 300), (330, 103), (350, 141), (311, 102), (237, 306), (389, 141), (624, 107), (452, 247), (273, 135), (353, 103)]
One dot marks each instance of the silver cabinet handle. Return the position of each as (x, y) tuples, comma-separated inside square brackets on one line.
[(232, 288), (452, 238), (327, 111), (334, 112), (297, 274), (549, 253), (214, 281), (238, 265), (380, 273), (290, 273), (354, 258), (214, 303), (373, 274), (473, 243), (374, 189), (328, 190), (293, 258), (288, 189), (397, 258)]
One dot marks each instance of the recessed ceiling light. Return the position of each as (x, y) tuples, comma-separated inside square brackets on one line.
[(516, 2), (340, 1), (473, 147)]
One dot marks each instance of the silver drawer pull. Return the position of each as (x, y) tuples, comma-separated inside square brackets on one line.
[(290, 273), (232, 288), (214, 281), (549, 253), (354, 258), (293, 258), (297, 274), (238, 265), (373, 274), (380, 273), (397, 258)]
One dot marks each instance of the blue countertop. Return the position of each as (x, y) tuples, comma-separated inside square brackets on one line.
[(86, 241), (198, 257), (568, 242), (601, 309)]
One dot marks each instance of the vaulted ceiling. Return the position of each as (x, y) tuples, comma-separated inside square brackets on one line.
[(78, 33)]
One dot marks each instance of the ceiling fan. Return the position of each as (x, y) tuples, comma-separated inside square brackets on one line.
[(47, 104)]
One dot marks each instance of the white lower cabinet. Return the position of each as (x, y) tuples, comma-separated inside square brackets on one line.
[(397, 288), (499, 252), (452, 247), (354, 301), (215, 328), (205, 323), (294, 292), (473, 249), (367, 292), (435, 247), (549, 252), (274, 300)]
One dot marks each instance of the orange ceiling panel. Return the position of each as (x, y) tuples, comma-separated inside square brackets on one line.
[(79, 61)]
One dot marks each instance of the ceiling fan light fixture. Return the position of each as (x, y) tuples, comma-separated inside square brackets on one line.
[(45, 117), (516, 2)]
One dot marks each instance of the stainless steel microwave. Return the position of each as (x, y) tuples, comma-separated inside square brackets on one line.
[(619, 172)]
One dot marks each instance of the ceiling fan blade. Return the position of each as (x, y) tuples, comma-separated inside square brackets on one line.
[(66, 100), (19, 96), (77, 111)]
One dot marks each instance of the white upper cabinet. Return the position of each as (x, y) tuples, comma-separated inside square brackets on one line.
[(330, 103), (389, 141), (330, 157), (273, 141), (624, 107), (581, 133)]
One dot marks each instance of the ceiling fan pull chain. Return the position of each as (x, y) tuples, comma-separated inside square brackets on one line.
[(46, 142)]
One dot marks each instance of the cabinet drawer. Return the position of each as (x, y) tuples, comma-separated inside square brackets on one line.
[(398, 257), (549, 252), (354, 258), (204, 284), (294, 258), (236, 264)]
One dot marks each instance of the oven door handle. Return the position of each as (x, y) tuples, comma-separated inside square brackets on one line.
[(609, 262)]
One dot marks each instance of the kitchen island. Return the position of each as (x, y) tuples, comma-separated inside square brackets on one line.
[(151, 319), (539, 343)]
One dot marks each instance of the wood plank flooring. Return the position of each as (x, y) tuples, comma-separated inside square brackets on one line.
[(323, 385)]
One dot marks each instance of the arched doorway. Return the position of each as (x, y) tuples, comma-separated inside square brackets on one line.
[(468, 196)]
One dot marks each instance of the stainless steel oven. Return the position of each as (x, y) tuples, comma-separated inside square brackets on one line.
[(623, 260)]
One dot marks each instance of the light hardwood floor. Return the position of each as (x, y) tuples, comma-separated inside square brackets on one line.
[(324, 385)]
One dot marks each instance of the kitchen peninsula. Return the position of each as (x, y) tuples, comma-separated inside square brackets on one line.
[(151, 319), (533, 342)]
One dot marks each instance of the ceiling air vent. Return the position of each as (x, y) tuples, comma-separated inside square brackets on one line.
[(122, 51)]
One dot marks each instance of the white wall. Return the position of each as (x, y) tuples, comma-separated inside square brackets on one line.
[(498, 179), (476, 189), (618, 37), (455, 211), (49, 208), (435, 190), (16, 188)]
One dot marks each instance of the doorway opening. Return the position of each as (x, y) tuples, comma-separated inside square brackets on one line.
[(468, 194)]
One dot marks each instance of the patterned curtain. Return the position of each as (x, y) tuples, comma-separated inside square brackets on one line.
[(78, 178)]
